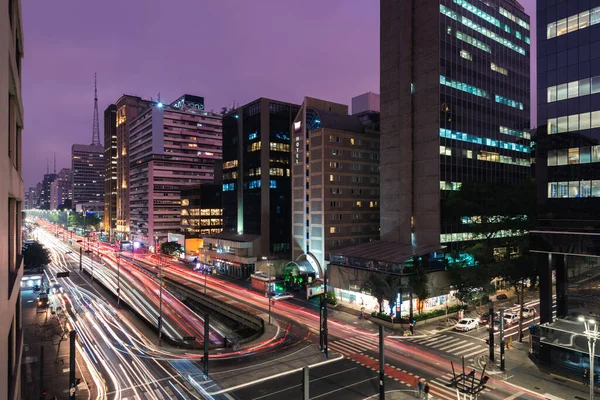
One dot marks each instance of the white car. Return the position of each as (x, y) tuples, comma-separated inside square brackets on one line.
[(466, 324), (529, 312), (282, 296)]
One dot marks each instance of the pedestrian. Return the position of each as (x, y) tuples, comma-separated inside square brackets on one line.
[(411, 328), (426, 390), (586, 377), (420, 388)]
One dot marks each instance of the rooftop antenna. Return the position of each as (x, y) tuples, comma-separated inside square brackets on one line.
[(47, 166), (55, 162), (96, 124), (158, 97)]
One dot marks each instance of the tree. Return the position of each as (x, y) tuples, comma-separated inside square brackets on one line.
[(418, 282), (36, 256), (171, 248), (517, 272), (375, 285), (84, 221), (468, 281)]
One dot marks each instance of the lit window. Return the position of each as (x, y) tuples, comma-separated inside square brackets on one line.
[(254, 147), (332, 229), (498, 69), (463, 87), (351, 141), (466, 55), (273, 184)]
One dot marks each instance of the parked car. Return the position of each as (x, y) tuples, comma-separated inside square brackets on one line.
[(529, 312), (510, 319), (501, 296), (496, 325), (466, 324)]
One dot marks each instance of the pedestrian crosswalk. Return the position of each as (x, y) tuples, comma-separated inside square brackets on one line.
[(354, 345), (450, 343), (452, 320), (440, 388)]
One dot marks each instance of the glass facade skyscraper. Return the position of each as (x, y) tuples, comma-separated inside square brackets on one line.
[(256, 173), (454, 108), (568, 155)]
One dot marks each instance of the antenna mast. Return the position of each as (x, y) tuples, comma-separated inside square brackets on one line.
[(96, 124), (54, 163)]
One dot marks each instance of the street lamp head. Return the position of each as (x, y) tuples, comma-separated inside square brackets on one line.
[(581, 319), (592, 321)]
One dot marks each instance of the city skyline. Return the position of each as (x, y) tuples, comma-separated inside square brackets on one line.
[(301, 63)]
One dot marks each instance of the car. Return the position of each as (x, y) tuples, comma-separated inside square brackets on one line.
[(57, 288), (529, 312), (485, 317), (510, 319), (501, 296), (68, 252), (466, 324), (282, 296), (496, 325), (43, 300)]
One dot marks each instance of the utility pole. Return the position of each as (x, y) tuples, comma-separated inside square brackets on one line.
[(80, 257), (502, 339), (305, 383), (381, 365), (41, 373), (160, 282), (119, 275), (206, 335), (325, 331), (72, 335), (491, 336)]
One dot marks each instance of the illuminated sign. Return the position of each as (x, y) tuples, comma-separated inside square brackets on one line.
[(297, 149), (297, 126)]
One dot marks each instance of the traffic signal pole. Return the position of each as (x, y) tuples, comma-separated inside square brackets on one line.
[(491, 337)]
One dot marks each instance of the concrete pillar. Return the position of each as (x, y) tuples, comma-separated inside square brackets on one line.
[(559, 264), (545, 271)]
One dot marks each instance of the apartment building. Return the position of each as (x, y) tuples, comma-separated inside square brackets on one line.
[(171, 147)]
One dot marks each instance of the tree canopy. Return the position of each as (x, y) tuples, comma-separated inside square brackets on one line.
[(81, 221), (36, 256), (418, 282), (171, 248), (383, 287)]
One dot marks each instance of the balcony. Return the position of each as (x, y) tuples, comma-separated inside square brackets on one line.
[(13, 274)]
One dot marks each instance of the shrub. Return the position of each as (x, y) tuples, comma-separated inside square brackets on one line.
[(331, 299), (420, 317)]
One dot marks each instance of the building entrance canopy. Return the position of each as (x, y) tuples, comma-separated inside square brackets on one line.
[(305, 264)]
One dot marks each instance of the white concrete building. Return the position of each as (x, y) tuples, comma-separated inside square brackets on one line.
[(171, 147), (11, 199)]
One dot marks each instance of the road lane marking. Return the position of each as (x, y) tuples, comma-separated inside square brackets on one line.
[(445, 342), (478, 351), (292, 371), (345, 387), (455, 348)]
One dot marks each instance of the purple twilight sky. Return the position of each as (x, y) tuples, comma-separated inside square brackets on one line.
[(224, 50)]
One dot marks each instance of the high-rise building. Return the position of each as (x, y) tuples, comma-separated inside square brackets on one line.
[(256, 173), (256, 188), (335, 180), (87, 165), (128, 108), (367, 102), (31, 198), (567, 170), (171, 147), (61, 190), (11, 198), (110, 169), (454, 108), (45, 193)]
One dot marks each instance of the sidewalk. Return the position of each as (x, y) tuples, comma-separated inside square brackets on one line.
[(47, 371)]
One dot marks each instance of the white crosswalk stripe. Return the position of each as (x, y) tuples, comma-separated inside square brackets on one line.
[(354, 345), (448, 342)]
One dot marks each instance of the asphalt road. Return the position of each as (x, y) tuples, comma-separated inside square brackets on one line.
[(341, 379)]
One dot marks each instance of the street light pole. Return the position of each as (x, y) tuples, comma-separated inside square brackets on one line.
[(160, 301), (269, 290), (119, 275), (591, 332)]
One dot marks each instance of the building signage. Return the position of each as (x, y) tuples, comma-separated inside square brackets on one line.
[(314, 291), (297, 149)]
